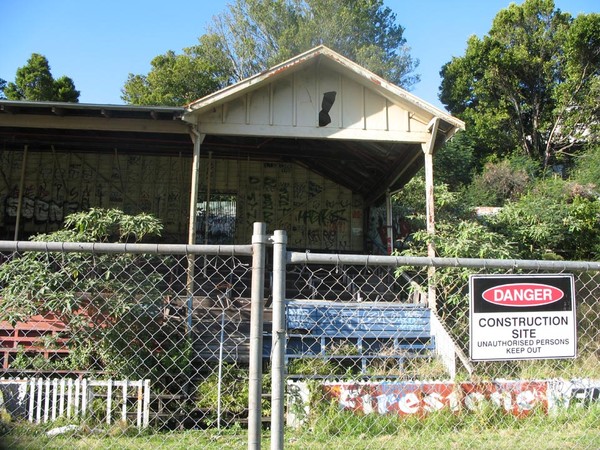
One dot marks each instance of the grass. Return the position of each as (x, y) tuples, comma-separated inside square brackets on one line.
[(576, 428)]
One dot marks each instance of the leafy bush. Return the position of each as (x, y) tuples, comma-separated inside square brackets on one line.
[(110, 303), (235, 391), (556, 219), (500, 181), (587, 167)]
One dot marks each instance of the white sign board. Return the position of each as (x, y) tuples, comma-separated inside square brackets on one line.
[(522, 317)]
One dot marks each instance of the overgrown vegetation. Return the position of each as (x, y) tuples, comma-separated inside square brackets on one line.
[(234, 390), (111, 304)]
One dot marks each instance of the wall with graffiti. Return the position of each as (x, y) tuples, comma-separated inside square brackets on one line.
[(377, 232), (56, 184), (316, 213)]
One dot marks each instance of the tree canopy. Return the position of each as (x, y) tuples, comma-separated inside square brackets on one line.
[(253, 35), (531, 84), (258, 34), (35, 82), (177, 79)]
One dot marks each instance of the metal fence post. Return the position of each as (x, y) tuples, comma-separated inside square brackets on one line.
[(259, 240), (278, 340)]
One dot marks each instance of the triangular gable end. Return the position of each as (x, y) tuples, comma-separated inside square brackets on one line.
[(319, 94)]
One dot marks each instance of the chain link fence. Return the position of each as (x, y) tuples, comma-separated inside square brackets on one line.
[(153, 346), (378, 353), (114, 339)]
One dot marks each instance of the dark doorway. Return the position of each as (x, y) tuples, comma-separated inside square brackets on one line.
[(216, 219)]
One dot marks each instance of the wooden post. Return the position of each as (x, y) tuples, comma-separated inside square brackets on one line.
[(31, 399), (109, 391), (21, 193), (428, 149), (389, 223), (54, 397), (124, 406), (198, 139)]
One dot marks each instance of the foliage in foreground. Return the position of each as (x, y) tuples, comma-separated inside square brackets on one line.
[(110, 303)]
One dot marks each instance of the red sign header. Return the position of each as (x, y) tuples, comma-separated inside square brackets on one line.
[(523, 294)]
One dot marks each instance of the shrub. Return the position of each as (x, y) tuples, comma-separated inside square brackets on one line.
[(110, 303)]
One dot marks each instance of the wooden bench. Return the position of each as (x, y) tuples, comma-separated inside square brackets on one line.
[(358, 332)]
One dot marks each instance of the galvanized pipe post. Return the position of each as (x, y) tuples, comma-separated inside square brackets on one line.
[(259, 241), (278, 340)]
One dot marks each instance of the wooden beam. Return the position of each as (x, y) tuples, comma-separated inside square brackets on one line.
[(428, 150), (93, 123), (231, 129)]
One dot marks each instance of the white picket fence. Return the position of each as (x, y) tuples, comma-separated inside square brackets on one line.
[(49, 399)]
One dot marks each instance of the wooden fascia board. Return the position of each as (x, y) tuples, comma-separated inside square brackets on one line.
[(413, 137), (93, 123)]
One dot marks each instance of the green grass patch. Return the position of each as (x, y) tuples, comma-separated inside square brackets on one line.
[(332, 428)]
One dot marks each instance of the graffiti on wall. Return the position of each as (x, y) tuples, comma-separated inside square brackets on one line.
[(58, 184), (315, 212), (377, 239)]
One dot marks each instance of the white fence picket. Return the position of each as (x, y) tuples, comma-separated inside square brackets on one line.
[(109, 401), (51, 399)]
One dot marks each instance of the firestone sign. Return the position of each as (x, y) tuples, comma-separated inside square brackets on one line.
[(522, 317)]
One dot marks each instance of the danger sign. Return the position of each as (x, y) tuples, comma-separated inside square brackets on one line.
[(522, 317)]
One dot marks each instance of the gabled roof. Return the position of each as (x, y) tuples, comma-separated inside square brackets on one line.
[(323, 111), (325, 62)]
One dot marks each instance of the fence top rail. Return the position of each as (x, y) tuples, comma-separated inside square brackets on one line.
[(100, 247), (396, 261)]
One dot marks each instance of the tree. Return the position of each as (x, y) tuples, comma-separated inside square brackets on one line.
[(525, 85), (35, 82), (2, 87), (257, 34), (177, 79), (253, 35)]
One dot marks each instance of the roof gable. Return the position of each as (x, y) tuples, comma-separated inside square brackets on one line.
[(318, 94)]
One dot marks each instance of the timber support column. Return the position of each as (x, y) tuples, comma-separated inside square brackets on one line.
[(428, 149), (197, 138)]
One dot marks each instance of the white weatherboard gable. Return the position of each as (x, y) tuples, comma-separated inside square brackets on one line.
[(286, 102)]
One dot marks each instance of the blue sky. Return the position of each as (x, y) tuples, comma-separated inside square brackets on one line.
[(99, 42)]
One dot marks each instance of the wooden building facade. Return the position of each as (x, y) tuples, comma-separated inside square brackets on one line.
[(313, 146)]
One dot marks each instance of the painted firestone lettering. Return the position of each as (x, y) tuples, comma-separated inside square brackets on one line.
[(433, 402), (409, 403)]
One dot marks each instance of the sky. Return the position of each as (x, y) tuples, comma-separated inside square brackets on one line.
[(98, 43)]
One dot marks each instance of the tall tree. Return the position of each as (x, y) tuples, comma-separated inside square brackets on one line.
[(524, 84), (177, 79), (34, 81), (253, 35), (256, 34)]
